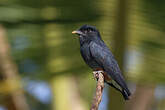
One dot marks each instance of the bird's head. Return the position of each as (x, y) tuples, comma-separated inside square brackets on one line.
[(87, 32)]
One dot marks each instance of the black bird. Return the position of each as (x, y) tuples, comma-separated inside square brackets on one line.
[(98, 56)]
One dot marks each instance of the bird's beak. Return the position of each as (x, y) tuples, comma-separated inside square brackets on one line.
[(77, 32)]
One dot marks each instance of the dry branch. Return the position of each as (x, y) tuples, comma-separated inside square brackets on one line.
[(99, 91)]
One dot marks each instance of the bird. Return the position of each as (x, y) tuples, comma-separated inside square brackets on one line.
[(98, 56)]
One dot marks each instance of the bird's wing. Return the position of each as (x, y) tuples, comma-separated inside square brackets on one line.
[(105, 59)]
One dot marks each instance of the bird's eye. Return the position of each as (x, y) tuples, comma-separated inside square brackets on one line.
[(89, 30), (85, 31)]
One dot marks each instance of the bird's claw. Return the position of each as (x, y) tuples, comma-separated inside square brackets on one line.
[(96, 74)]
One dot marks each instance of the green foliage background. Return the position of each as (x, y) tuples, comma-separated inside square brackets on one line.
[(39, 31)]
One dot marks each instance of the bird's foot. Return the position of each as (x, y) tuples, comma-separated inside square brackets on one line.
[(96, 74)]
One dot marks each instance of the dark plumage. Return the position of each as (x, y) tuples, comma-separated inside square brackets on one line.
[(98, 56)]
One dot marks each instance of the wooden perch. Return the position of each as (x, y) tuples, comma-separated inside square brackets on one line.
[(99, 90)]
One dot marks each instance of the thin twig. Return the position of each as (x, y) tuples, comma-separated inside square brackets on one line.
[(99, 91)]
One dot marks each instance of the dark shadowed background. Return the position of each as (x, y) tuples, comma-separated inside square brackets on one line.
[(40, 63)]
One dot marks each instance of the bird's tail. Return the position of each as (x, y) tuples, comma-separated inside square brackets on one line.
[(126, 94), (125, 91)]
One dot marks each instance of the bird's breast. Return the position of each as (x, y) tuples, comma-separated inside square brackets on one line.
[(86, 54)]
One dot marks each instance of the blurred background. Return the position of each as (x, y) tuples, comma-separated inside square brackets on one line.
[(40, 63)]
